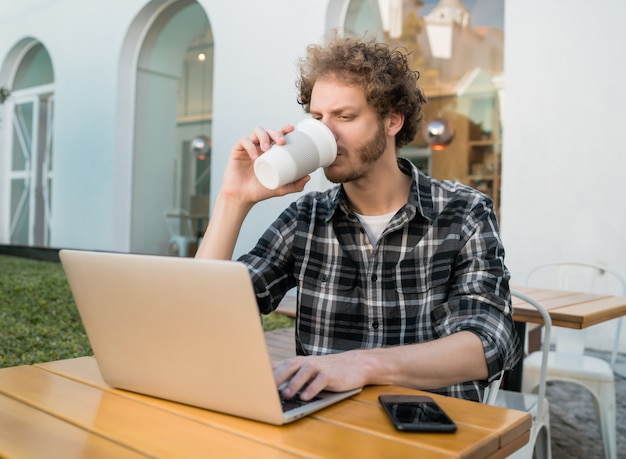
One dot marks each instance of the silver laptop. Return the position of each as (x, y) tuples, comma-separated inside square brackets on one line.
[(180, 329)]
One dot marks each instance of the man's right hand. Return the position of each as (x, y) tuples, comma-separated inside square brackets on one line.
[(240, 182), (240, 191)]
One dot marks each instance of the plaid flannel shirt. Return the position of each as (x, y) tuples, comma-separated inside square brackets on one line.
[(437, 269)]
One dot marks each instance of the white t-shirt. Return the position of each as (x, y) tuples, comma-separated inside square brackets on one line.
[(375, 224)]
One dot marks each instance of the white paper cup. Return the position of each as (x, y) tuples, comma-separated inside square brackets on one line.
[(311, 146)]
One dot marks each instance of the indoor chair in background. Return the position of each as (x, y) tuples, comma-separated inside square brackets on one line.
[(182, 241), (568, 362)]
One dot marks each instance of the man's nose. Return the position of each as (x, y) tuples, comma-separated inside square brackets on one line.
[(327, 120)]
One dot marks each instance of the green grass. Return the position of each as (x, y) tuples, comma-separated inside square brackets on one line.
[(39, 321)]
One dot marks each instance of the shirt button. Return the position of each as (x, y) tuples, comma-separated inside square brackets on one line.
[(374, 277), (324, 278), (375, 324)]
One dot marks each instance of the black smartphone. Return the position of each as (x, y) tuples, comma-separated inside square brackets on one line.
[(416, 413)]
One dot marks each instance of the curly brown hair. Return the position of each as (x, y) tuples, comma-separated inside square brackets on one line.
[(390, 85)]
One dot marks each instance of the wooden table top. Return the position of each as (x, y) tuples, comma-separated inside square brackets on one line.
[(64, 409), (569, 309)]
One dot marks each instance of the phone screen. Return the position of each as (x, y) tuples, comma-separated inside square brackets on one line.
[(416, 413)]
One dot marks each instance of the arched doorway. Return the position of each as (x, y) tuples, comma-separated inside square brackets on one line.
[(29, 112), (357, 17), (173, 105), (363, 17)]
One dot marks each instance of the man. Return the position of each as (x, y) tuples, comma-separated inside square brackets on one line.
[(400, 278)]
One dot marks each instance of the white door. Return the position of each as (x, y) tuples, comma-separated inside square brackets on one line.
[(30, 173)]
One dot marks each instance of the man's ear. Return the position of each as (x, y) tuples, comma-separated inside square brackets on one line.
[(395, 121)]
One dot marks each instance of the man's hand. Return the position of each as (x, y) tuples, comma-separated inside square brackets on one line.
[(429, 365), (240, 191), (312, 374), (239, 181)]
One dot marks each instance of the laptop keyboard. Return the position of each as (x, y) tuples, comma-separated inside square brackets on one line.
[(294, 402)]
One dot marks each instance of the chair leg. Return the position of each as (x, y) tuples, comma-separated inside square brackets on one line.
[(616, 343), (603, 396), (607, 417), (543, 448)]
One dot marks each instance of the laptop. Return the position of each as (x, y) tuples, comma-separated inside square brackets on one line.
[(181, 329)]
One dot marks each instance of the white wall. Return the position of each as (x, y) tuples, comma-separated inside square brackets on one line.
[(83, 40), (564, 153), (255, 81), (257, 44)]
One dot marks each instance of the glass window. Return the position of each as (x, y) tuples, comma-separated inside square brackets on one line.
[(457, 46), (35, 69), (20, 216), (363, 16), (22, 136)]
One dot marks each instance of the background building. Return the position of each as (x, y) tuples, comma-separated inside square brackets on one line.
[(101, 101)]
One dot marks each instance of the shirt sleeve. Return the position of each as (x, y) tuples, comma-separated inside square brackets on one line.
[(270, 262), (479, 296)]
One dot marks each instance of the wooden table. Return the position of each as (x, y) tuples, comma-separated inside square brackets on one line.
[(567, 309), (64, 409)]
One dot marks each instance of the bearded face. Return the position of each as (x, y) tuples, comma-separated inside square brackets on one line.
[(357, 160)]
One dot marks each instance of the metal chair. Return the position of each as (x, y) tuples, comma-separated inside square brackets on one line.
[(183, 241), (535, 404), (568, 361), (491, 391)]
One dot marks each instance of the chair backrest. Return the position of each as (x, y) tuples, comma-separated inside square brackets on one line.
[(178, 223), (547, 322), (579, 277)]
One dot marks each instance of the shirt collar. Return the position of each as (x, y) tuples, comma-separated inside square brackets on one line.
[(420, 195), (420, 198)]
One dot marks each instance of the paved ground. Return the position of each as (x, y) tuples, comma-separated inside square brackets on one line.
[(574, 426)]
